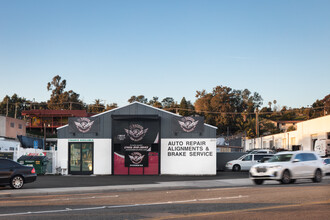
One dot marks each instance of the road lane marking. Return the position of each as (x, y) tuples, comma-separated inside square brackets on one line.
[(233, 188), (240, 210), (219, 198), (82, 198), (121, 206)]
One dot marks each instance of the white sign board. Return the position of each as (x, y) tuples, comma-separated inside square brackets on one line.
[(188, 156)]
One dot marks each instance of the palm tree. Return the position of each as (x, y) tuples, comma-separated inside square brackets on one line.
[(275, 108), (270, 105)]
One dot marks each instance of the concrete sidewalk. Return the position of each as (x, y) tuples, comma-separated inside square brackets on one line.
[(55, 184), (8, 192)]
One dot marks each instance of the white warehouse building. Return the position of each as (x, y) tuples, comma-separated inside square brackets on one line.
[(309, 136)]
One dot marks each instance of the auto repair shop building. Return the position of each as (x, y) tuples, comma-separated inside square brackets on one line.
[(137, 139)]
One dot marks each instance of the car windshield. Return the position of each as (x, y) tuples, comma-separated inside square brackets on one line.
[(241, 157), (280, 158)]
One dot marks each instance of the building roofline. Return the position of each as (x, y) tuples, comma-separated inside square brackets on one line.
[(98, 114), (158, 109)]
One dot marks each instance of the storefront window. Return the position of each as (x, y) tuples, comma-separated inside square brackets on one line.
[(87, 156), (81, 158), (75, 156)]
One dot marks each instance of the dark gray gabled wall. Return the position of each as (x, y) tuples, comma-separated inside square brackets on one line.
[(105, 130)]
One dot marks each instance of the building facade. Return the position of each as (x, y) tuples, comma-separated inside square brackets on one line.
[(11, 127), (305, 137), (137, 139)]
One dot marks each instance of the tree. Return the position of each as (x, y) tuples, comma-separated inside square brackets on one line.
[(60, 99), (139, 98), (270, 105), (321, 107), (326, 101), (267, 128), (291, 128), (111, 106), (223, 107), (14, 105), (97, 107), (265, 112), (183, 109), (167, 102), (155, 103), (275, 107)]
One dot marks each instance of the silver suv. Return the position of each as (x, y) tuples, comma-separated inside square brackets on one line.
[(288, 166)]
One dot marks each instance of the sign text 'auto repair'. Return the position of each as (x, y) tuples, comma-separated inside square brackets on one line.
[(188, 148)]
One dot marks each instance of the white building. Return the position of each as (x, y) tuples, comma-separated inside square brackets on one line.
[(304, 138)]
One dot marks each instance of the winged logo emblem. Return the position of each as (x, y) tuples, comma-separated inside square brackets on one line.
[(84, 124), (188, 124), (136, 157), (136, 132)]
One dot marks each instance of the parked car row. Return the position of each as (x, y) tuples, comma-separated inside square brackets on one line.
[(285, 167)]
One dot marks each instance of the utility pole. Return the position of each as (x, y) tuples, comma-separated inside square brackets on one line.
[(44, 136), (257, 122), (7, 108), (15, 109)]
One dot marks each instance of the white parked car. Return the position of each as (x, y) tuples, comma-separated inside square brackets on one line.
[(245, 162), (262, 151), (286, 167), (326, 162)]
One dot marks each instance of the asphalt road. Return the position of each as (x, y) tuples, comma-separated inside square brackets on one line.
[(305, 200)]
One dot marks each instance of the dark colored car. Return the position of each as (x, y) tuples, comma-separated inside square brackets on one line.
[(15, 174)]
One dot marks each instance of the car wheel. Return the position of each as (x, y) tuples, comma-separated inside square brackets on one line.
[(286, 177), (317, 176), (258, 182), (236, 167), (17, 182)]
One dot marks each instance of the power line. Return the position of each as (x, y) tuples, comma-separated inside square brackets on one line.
[(169, 109)]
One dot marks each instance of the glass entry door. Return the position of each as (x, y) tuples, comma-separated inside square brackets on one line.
[(81, 158)]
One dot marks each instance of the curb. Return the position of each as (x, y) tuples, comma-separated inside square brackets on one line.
[(126, 188)]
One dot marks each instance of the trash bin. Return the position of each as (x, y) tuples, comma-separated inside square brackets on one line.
[(38, 162)]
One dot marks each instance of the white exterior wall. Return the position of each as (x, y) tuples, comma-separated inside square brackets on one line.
[(318, 128), (63, 155), (198, 159), (101, 155)]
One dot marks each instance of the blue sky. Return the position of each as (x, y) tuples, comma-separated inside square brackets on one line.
[(111, 50)]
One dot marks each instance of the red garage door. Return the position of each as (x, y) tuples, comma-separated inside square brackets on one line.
[(135, 145)]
